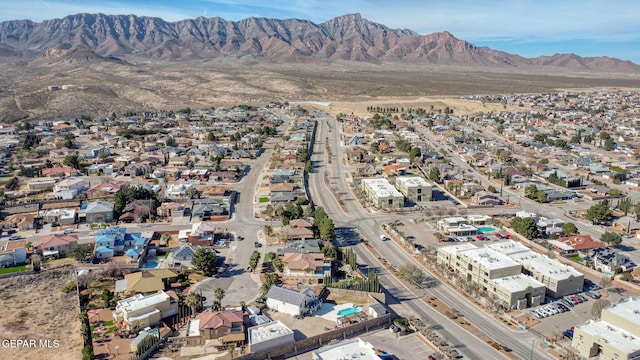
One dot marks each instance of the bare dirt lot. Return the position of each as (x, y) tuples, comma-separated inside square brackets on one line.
[(35, 308), (100, 88)]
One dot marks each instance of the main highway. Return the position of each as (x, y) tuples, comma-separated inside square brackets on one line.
[(368, 224)]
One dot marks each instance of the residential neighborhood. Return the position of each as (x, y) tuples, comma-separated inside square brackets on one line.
[(283, 230)]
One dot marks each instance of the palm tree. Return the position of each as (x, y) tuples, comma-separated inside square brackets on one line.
[(216, 305), (193, 300), (219, 294), (264, 289)]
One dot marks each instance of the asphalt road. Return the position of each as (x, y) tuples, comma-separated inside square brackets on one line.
[(369, 226)]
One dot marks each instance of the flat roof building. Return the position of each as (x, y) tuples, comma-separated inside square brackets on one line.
[(382, 194), (456, 226), (142, 311), (615, 336), (269, 335), (496, 273), (414, 188), (348, 349)]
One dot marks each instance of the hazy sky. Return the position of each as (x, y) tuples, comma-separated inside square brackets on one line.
[(526, 27)]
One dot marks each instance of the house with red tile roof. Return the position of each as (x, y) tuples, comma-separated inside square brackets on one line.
[(56, 244), (228, 326), (575, 244), (309, 268)]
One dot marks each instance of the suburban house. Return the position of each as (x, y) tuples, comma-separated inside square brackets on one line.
[(69, 188), (97, 212), (13, 253), (146, 281), (202, 233), (292, 302), (181, 255), (307, 268), (575, 245), (227, 326), (56, 244), (60, 216), (140, 311)]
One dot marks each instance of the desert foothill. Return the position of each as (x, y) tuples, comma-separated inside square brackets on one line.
[(318, 187)]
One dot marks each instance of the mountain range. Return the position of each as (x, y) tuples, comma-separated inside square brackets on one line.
[(348, 37)]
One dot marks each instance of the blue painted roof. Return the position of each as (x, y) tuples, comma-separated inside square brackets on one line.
[(103, 249), (105, 239), (133, 253)]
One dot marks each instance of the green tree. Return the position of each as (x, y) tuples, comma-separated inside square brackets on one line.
[(80, 252), (525, 227), (330, 252), (218, 293), (412, 273), (599, 213), (254, 260), (434, 174), (204, 260), (106, 297), (414, 153), (72, 161), (611, 238), (194, 301), (277, 264), (569, 229)]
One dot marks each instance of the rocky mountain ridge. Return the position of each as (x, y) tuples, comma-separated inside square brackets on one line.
[(349, 37)]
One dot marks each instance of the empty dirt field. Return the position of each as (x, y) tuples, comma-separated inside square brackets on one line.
[(38, 321)]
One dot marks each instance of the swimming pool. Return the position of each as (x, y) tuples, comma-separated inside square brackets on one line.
[(150, 264), (348, 311), (486, 229)]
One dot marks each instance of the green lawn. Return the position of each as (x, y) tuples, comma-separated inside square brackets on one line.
[(111, 329), (264, 200), (13, 269), (576, 258)]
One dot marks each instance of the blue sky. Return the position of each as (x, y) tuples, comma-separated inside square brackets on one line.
[(526, 27)]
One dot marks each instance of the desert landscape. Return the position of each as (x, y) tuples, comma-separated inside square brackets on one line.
[(92, 85)]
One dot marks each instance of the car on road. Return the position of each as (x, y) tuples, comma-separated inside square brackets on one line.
[(257, 244), (145, 225), (409, 237), (240, 238), (15, 237), (260, 300), (68, 231), (384, 238)]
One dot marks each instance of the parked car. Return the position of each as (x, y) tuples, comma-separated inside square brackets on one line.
[(508, 236), (499, 236), (68, 231), (15, 237), (581, 297), (260, 300), (257, 244), (480, 237)]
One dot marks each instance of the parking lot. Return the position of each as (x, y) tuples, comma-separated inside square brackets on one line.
[(402, 347), (554, 324)]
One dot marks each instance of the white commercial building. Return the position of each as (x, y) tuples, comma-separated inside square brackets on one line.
[(494, 272), (348, 349), (268, 336), (414, 188), (382, 194), (456, 226), (616, 336), (559, 279)]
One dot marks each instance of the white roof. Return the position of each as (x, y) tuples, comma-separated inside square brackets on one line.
[(628, 309), (412, 181), (613, 336), (382, 188), (268, 331), (140, 301), (454, 249), (348, 349), (508, 247), (518, 283), (542, 264), (489, 258)]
